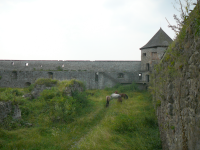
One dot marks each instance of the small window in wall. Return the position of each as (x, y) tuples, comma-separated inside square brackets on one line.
[(140, 76), (120, 75), (14, 74), (41, 66), (27, 84), (154, 55), (12, 63), (63, 65), (147, 78), (50, 75), (144, 54), (26, 64), (147, 66), (96, 76)]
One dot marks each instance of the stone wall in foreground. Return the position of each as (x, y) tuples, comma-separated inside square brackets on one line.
[(175, 85)]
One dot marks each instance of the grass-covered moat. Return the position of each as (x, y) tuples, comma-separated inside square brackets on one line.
[(81, 122)]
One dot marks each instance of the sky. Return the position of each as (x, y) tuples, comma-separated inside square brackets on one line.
[(81, 29)]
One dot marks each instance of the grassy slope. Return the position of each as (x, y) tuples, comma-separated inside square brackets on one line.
[(130, 125)]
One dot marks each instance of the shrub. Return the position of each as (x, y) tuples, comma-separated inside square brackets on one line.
[(46, 81)]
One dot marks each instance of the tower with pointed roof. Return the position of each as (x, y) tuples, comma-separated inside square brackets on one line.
[(152, 52)]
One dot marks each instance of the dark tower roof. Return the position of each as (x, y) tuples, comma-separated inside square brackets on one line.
[(160, 39)]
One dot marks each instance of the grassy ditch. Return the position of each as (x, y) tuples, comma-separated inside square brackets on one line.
[(83, 122)]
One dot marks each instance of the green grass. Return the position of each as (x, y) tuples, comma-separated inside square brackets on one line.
[(127, 125)]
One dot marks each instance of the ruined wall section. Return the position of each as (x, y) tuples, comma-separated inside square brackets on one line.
[(175, 85)]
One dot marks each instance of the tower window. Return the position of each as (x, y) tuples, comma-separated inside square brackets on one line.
[(154, 55), (147, 78), (147, 66), (144, 54)]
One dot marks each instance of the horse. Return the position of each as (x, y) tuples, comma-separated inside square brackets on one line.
[(113, 96), (125, 96)]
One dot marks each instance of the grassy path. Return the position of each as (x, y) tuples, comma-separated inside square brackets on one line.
[(130, 125)]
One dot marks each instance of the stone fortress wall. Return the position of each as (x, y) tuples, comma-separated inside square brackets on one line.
[(95, 74)]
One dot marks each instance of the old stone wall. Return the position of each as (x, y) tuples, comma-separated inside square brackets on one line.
[(91, 80), (175, 85), (95, 74)]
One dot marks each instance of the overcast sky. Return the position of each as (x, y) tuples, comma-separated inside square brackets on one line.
[(80, 29)]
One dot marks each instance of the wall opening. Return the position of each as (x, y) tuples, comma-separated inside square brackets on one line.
[(27, 84), (50, 75), (96, 76), (12, 63), (140, 76), (147, 78), (41, 66), (154, 55), (63, 66), (14, 75), (147, 66), (120, 75), (26, 64), (144, 54)]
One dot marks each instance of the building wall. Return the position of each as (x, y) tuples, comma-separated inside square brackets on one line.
[(95, 75), (149, 57)]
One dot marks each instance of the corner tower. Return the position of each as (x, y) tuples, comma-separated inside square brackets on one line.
[(152, 52)]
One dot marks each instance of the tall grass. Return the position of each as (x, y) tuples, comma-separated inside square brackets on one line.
[(83, 122)]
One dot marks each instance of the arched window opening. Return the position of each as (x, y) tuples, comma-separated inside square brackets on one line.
[(14, 75), (50, 75)]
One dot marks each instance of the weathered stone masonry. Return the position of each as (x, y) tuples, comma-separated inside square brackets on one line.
[(175, 85), (96, 75)]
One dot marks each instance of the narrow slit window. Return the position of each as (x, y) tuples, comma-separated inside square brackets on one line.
[(147, 78), (140, 76), (12, 63), (63, 66), (96, 76), (147, 66)]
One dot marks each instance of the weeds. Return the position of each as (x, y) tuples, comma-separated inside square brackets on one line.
[(82, 121)]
